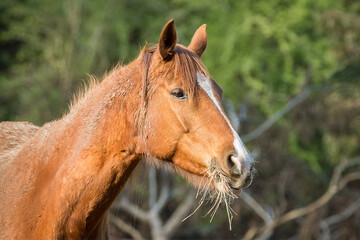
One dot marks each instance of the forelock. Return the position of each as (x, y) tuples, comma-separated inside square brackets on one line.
[(186, 65)]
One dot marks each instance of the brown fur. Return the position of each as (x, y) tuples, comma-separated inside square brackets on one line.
[(12, 138), (58, 181)]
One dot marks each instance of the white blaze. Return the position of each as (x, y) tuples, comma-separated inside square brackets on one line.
[(240, 149)]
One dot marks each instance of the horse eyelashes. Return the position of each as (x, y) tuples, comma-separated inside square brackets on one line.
[(178, 93)]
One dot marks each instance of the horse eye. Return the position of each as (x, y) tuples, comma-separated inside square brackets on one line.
[(178, 93)]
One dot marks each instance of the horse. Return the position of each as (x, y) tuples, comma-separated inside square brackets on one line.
[(59, 180)]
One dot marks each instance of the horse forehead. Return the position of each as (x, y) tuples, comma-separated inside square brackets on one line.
[(216, 87), (210, 87)]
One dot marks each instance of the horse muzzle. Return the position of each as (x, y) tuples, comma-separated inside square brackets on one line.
[(241, 172)]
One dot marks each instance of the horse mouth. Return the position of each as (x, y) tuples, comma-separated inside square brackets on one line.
[(241, 181), (236, 181), (240, 184)]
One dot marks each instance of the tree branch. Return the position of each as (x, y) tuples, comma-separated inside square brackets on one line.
[(178, 215), (131, 209), (258, 209), (159, 230), (325, 224), (152, 187), (250, 234), (164, 194), (127, 228), (336, 184), (276, 116)]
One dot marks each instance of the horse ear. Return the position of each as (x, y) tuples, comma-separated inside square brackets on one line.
[(167, 40), (199, 41)]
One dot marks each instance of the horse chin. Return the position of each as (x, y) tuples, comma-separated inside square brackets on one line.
[(194, 178), (236, 191), (201, 181)]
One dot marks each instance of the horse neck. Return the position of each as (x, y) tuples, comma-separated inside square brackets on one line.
[(104, 120), (100, 151)]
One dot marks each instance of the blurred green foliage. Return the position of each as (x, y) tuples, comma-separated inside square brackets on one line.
[(261, 52)]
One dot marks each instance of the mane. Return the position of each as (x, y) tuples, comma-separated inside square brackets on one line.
[(87, 86), (186, 65)]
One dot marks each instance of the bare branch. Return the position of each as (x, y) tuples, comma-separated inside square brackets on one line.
[(250, 234), (156, 224), (341, 167), (325, 224), (132, 209), (332, 190), (180, 212), (258, 209), (127, 228), (152, 186), (349, 178), (336, 184), (281, 192), (276, 116), (164, 194)]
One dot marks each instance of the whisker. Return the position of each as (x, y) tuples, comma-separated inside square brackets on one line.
[(193, 211)]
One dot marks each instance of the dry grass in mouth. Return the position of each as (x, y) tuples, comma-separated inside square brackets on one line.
[(215, 190)]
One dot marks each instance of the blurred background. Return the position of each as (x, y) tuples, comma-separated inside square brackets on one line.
[(290, 71)]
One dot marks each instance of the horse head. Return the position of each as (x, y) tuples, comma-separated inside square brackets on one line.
[(185, 122)]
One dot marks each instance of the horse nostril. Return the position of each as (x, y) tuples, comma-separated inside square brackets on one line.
[(234, 169), (230, 162)]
